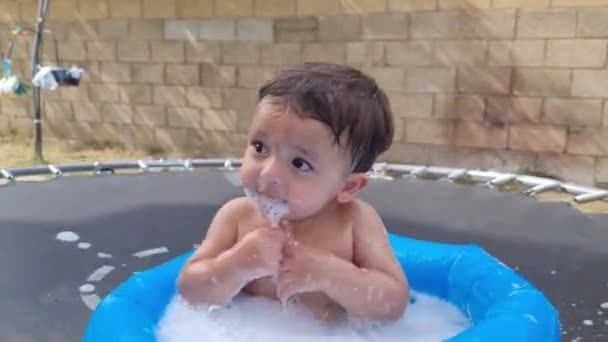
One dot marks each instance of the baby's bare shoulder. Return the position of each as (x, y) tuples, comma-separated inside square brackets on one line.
[(365, 217)]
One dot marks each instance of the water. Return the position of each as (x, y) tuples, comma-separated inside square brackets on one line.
[(252, 319), (67, 236)]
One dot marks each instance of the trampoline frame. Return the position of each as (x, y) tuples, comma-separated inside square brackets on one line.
[(534, 184)]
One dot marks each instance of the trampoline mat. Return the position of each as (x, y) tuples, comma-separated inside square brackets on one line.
[(561, 251)]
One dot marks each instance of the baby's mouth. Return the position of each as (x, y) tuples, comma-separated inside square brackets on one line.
[(273, 208)]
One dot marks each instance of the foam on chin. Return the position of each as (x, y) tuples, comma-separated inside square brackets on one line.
[(274, 209)]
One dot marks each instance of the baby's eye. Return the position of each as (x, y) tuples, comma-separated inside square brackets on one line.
[(258, 146), (301, 164)]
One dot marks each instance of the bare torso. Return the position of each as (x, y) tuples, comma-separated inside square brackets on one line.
[(329, 232)]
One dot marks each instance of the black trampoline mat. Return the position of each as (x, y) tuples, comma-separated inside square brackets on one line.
[(558, 249)]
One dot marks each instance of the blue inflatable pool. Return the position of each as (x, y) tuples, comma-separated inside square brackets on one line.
[(501, 304)]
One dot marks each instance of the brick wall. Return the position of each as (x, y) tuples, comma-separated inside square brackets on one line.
[(506, 84)]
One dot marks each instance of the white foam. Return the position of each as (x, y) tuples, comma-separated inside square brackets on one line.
[(252, 319), (84, 245), (104, 255), (604, 306), (274, 209), (87, 288), (67, 236), (588, 322)]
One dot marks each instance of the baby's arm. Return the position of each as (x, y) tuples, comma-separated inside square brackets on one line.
[(374, 286), (221, 266)]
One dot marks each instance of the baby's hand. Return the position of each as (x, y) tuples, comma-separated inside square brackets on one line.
[(260, 252), (299, 271)]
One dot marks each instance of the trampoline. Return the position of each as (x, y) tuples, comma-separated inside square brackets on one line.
[(120, 224)]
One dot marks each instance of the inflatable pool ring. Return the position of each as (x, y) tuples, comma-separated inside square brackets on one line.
[(501, 304)]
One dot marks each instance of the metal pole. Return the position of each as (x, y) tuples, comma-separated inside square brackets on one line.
[(36, 60)]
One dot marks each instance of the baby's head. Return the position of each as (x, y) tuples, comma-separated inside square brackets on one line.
[(317, 130)]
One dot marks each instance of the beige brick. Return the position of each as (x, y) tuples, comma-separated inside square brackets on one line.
[(15, 108), (136, 94), (195, 8), (101, 50), (239, 100), (173, 139), (104, 92), (517, 53), (221, 120), (459, 107), (541, 82), (385, 27), (339, 28), (555, 23), (471, 52), (411, 5), (573, 112), (203, 52), (150, 115), (592, 22), (435, 132), (399, 130), (240, 53), (318, 7), (233, 8), (463, 24), (204, 98), (9, 11), (537, 4), (411, 106), (464, 4), (513, 109), (113, 28), (296, 29), (68, 50), (601, 170), (79, 93), (416, 53), (148, 73), (160, 8), (537, 138), (579, 3), (274, 8), (387, 78), (406, 153), (93, 9), (280, 53), (115, 72), (168, 51), (58, 29), (480, 134), (87, 111), (361, 7), (254, 76), (169, 95), (324, 52), (147, 29), (576, 169), (365, 53), (125, 9), (243, 121), (186, 74), (474, 158), (218, 75), (61, 10), (80, 31), (133, 51), (117, 113), (184, 117), (430, 80), (590, 83), (588, 141), (576, 53), (24, 126), (485, 80)]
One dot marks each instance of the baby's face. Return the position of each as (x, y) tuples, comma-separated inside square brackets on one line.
[(292, 160)]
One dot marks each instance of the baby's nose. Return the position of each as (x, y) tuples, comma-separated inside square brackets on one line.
[(271, 176)]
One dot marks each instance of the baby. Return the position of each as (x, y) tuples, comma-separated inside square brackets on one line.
[(301, 235)]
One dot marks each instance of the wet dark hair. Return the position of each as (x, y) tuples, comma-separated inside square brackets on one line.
[(345, 99)]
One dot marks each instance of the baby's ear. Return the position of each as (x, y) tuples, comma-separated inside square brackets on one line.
[(354, 182)]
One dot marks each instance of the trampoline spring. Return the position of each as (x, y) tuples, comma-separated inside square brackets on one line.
[(419, 172), (590, 197), (543, 188), (228, 164), (502, 180), (143, 166), (188, 165), (7, 175), (55, 170)]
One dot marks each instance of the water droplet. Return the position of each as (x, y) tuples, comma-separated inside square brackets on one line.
[(87, 288), (588, 322), (67, 236), (84, 245), (604, 306)]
